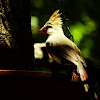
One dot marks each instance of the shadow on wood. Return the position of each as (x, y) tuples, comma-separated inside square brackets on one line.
[(27, 85)]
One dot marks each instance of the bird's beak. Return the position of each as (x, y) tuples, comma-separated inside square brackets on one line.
[(43, 30)]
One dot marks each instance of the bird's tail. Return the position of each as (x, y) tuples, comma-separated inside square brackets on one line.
[(86, 86), (84, 77), (95, 96), (82, 72)]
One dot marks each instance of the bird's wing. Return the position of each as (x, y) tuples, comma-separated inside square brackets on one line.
[(79, 54), (66, 52)]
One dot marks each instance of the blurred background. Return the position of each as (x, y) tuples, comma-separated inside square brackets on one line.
[(84, 20)]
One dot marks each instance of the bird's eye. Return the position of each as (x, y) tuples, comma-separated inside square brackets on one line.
[(48, 27)]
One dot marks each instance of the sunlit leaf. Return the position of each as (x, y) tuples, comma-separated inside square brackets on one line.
[(34, 24)]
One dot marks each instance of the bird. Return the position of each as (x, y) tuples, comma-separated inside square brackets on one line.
[(61, 48)]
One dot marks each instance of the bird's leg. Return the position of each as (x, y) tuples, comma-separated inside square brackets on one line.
[(75, 77), (73, 74)]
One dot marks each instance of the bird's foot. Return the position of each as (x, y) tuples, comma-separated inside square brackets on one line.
[(75, 77)]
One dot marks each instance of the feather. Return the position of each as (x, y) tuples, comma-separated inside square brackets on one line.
[(86, 86), (58, 47), (81, 71), (65, 54), (55, 19), (66, 48)]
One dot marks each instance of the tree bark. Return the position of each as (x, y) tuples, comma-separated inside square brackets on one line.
[(15, 34)]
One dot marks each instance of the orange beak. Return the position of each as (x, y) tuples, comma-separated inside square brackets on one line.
[(43, 30)]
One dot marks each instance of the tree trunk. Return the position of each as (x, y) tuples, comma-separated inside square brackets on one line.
[(15, 34)]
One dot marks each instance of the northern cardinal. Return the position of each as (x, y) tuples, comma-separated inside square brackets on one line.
[(62, 49)]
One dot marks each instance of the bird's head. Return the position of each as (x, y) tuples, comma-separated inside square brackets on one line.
[(53, 25)]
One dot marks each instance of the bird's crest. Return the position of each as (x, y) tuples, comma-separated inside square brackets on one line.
[(55, 19)]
